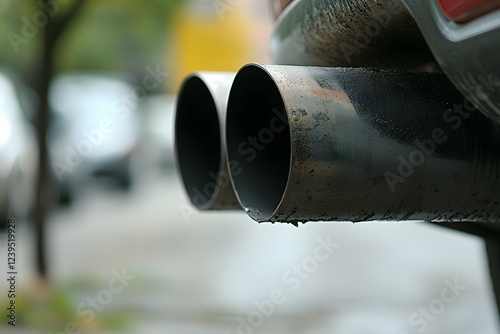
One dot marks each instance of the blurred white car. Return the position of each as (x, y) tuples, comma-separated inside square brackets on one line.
[(158, 113), (18, 155), (95, 130)]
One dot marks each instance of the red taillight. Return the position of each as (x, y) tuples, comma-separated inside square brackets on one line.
[(462, 11), (277, 6)]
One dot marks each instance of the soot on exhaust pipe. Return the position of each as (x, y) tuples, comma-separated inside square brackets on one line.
[(354, 144)]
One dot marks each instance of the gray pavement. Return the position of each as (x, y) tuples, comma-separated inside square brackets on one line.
[(223, 273)]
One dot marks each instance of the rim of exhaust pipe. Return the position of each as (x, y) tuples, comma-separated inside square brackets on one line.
[(261, 190), (335, 144), (199, 140)]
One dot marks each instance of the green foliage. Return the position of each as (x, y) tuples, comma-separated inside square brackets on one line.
[(108, 35), (11, 15), (55, 309)]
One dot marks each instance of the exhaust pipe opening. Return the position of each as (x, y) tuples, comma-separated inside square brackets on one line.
[(351, 144), (258, 141), (198, 141)]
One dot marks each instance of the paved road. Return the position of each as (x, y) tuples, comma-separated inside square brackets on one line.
[(223, 273)]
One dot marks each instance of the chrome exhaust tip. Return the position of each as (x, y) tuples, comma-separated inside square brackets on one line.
[(347, 144), (199, 141)]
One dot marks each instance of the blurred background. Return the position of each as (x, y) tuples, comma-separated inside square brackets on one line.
[(113, 245)]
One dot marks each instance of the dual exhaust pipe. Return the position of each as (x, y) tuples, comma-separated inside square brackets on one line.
[(297, 144)]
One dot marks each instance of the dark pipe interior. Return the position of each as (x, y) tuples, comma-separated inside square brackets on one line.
[(198, 141), (256, 110)]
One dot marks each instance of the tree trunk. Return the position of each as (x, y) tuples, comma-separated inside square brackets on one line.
[(53, 30)]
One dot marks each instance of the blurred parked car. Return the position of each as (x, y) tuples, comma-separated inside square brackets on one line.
[(18, 152), (95, 130), (158, 112)]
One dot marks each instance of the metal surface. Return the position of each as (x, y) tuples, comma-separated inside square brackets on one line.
[(467, 53), (277, 6), (493, 252), (337, 144), (353, 33), (199, 141)]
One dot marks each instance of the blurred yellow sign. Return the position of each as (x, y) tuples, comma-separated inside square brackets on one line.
[(210, 36)]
